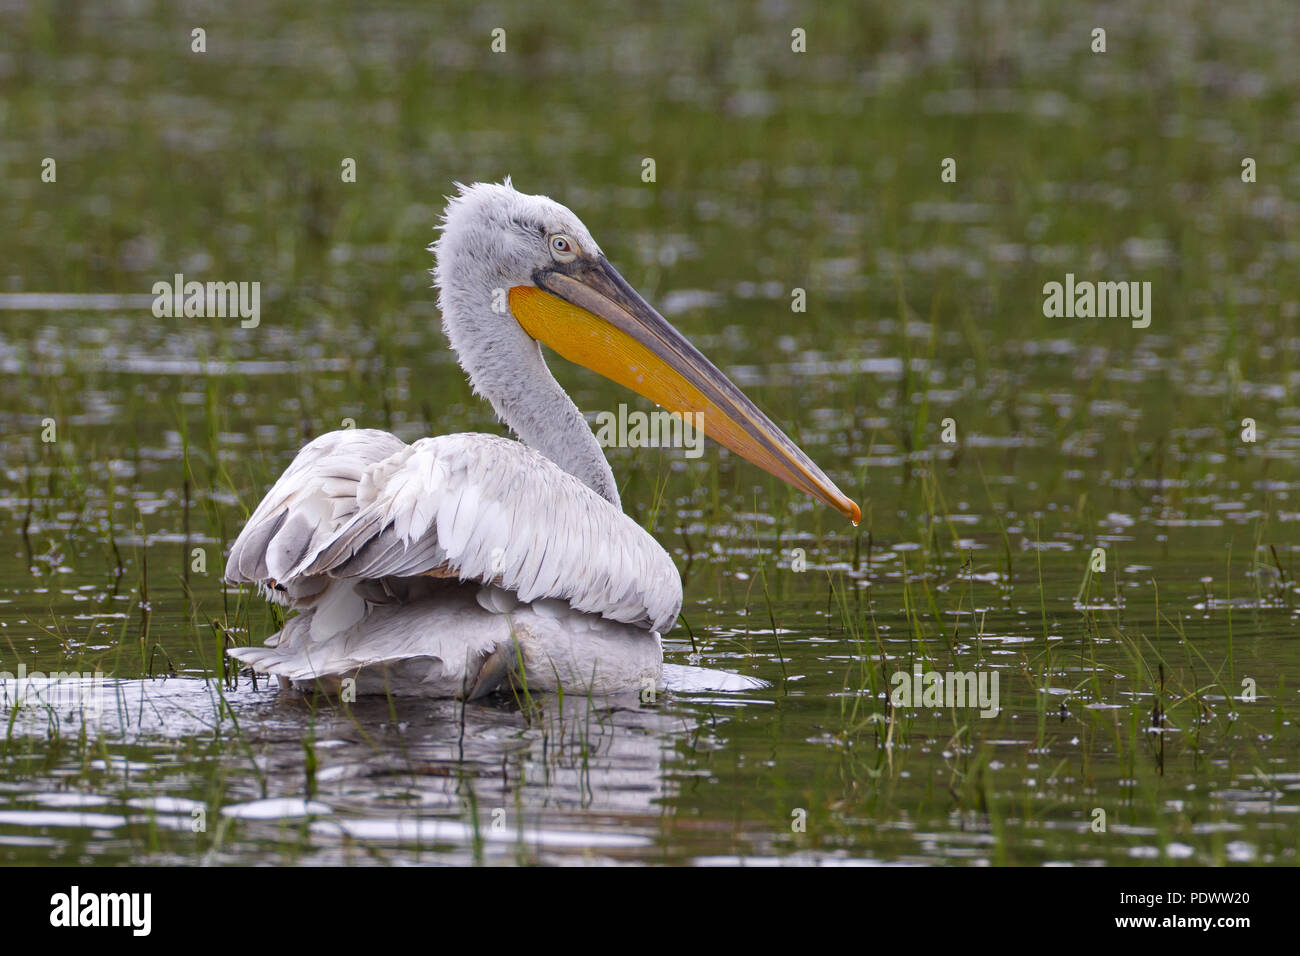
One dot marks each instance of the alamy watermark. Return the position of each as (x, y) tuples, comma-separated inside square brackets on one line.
[(1100, 300), (62, 691), (660, 429), (133, 911), (219, 300), (922, 688)]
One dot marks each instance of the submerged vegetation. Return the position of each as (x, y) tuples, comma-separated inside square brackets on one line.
[(1105, 516)]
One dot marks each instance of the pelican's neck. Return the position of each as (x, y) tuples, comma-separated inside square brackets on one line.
[(506, 367)]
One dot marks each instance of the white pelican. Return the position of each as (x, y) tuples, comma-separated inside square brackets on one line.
[(459, 564)]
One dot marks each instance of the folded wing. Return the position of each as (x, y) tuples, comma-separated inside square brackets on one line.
[(362, 505)]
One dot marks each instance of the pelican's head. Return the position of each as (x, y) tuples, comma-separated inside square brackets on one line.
[(531, 265)]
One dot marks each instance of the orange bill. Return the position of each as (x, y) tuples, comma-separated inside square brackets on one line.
[(586, 312)]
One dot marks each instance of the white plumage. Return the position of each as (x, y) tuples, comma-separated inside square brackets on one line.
[(359, 510), (455, 564)]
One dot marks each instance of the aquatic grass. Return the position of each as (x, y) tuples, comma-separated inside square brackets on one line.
[(787, 191)]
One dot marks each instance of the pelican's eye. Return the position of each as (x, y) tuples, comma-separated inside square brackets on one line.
[(563, 248)]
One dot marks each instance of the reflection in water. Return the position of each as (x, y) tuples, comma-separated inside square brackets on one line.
[(1123, 690), (540, 776)]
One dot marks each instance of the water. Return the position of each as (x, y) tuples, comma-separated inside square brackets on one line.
[(1161, 691)]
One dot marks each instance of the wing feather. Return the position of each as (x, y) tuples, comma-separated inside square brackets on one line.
[(316, 494), (363, 505)]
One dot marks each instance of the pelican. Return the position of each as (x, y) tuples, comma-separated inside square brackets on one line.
[(465, 564)]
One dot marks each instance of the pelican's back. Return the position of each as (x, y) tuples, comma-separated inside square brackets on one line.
[(416, 564)]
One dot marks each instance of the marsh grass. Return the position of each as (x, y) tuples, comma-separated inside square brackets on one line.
[(1119, 692)]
